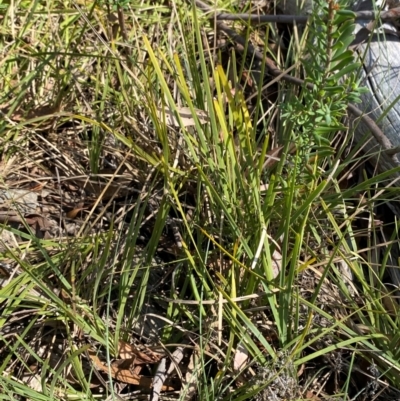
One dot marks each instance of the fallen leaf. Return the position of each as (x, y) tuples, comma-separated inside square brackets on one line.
[(74, 212), (240, 358), (276, 263), (124, 375), (34, 220), (126, 364), (273, 156), (311, 396), (246, 79), (128, 351), (185, 114)]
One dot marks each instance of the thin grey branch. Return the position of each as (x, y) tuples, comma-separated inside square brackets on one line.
[(385, 16)]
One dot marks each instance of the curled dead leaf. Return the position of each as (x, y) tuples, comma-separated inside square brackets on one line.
[(125, 373)]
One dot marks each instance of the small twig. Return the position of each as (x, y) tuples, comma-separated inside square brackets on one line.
[(275, 71), (159, 380), (224, 301), (162, 372)]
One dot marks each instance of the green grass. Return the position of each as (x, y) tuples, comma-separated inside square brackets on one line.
[(166, 222)]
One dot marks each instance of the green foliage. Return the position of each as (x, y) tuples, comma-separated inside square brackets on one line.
[(331, 78)]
